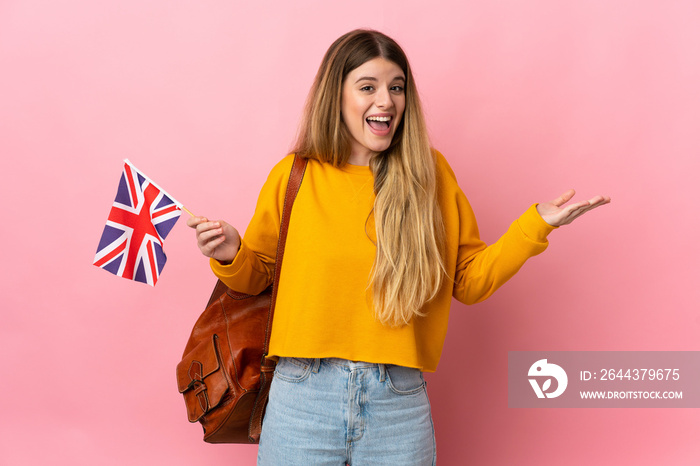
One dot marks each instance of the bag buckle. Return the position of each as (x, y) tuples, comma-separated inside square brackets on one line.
[(197, 383)]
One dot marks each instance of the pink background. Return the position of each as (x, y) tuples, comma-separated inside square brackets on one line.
[(525, 99)]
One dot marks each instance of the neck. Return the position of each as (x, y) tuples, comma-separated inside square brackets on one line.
[(360, 159)]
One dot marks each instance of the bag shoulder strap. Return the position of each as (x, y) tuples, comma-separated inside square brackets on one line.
[(267, 367), (295, 178)]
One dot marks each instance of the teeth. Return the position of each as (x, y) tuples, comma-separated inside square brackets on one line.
[(377, 118)]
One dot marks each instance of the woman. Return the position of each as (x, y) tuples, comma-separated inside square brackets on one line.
[(380, 239)]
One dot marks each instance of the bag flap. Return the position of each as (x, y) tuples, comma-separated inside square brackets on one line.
[(201, 378), (198, 364)]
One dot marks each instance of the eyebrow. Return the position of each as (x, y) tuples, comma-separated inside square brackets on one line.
[(370, 78)]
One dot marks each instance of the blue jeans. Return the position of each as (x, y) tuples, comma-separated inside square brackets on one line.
[(333, 411)]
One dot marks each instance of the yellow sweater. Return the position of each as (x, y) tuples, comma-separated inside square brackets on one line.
[(323, 301)]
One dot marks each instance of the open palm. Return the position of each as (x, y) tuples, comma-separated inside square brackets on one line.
[(557, 214)]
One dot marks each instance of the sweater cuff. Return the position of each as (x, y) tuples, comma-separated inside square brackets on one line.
[(230, 270), (533, 225)]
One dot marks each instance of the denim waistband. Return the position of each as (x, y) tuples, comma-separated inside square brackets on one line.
[(352, 364), (315, 364)]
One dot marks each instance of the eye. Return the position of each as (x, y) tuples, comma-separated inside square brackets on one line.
[(397, 89), (367, 88)]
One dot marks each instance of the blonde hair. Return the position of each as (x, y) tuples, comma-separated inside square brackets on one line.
[(408, 269)]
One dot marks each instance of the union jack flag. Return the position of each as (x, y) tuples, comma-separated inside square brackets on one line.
[(142, 215)]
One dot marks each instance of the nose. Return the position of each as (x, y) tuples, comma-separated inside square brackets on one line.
[(383, 99)]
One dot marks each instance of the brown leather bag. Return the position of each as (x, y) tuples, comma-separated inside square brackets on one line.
[(224, 375)]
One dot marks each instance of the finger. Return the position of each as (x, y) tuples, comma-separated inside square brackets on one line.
[(192, 222), (564, 198), (209, 248), (206, 226), (578, 212), (599, 200), (207, 236), (572, 208), (590, 205), (585, 206), (595, 206)]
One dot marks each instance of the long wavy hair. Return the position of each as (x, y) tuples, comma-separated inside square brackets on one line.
[(408, 268)]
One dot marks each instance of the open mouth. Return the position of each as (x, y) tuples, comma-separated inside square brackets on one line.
[(379, 124)]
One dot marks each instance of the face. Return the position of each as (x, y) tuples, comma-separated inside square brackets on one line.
[(372, 105)]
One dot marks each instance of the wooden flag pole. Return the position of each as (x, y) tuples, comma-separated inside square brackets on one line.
[(185, 209)]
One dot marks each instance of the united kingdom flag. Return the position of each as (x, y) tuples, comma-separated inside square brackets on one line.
[(142, 215)]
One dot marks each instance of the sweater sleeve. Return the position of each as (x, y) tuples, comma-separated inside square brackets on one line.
[(481, 269), (253, 268)]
